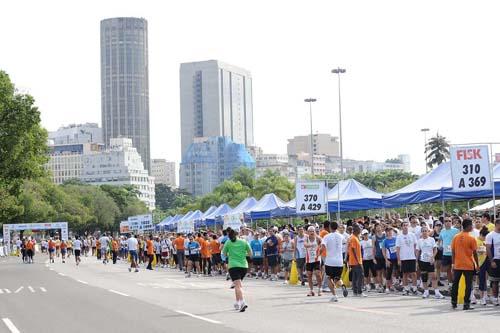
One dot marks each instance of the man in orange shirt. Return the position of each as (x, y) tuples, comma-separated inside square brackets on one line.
[(52, 250), (465, 262), (179, 246), (216, 258), (30, 248), (150, 249), (355, 261), (115, 247), (206, 266)]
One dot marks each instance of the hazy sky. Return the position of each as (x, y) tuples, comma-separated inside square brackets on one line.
[(409, 65)]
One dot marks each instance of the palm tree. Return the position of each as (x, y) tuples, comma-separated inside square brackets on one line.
[(437, 150)]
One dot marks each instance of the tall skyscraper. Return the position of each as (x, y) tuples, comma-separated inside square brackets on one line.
[(216, 100), (125, 82)]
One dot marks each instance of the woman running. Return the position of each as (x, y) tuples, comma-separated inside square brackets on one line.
[(237, 250)]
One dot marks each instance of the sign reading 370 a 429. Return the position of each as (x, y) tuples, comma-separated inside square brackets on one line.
[(310, 197), (470, 168)]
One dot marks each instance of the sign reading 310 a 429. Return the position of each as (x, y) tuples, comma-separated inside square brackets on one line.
[(310, 197), (470, 168)]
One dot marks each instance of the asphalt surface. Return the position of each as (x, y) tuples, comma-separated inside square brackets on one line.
[(49, 302), (107, 298)]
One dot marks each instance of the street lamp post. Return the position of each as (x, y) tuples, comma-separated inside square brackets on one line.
[(310, 101), (425, 130), (339, 71)]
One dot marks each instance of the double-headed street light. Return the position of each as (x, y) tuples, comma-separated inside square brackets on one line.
[(310, 101), (425, 130), (339, 71)]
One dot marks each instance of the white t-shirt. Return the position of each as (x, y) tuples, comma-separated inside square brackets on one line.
[(474, 233), (494, 238), (417, 230), (77, 244), (132, 244), (104, 242), (345, 237), (426, 248), (406, 244), (301, 250), (333, 242), (367, 246)]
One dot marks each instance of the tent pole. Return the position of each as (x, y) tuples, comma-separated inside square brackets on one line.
[(493, 183)]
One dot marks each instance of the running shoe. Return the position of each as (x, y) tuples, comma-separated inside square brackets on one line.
[(334, 299), (425, 294), (344, 291), (243, 307)]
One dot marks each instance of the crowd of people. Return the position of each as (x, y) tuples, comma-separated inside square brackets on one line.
[(418, 255)]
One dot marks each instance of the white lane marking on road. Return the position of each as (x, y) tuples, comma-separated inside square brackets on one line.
[(61, 274), (31, 289), (82, 282), (10, 325), (1, 291), (43, 289), (198, 317), (7, 291), (352, 308), (18, 289), (117, 292), (51, 269)]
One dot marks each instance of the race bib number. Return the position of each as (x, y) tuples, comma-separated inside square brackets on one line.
[(257, 253), (392, 249), (426, 257), (312, 255), (447, 249)]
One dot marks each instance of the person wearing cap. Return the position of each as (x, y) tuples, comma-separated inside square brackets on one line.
[(368, 264)]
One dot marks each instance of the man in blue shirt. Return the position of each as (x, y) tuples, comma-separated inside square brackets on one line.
[(257, 254), (391, 258), (272, 254), (445, 238), (193, 255)]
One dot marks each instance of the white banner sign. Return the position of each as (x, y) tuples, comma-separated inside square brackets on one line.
[(310, 197), (63, 226), (470, 168), (185, 227), (233, 221), (141, 223)]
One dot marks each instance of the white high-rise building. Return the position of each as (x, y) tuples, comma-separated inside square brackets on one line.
[(66, 160), (163, 171), (215, 100), (76, 134), (121, 164)]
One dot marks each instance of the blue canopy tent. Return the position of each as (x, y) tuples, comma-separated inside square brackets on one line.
[(222, 210), (269, 206), (196, 216), (244, 206), (436, 186), (163, 223), (209, 211), (173, 222), (353, 196)]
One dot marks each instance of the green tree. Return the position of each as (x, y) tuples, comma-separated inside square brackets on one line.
[(273, 182), (245, 176), (23, 145), (437, 150)]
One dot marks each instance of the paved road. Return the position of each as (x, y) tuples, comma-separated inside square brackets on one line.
[(36, 299), (166, 301)]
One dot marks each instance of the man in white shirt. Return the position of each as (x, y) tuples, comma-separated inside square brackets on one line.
[(132, 246), (493, 250), (406, 243), (77, 247), (334, 262), (415, 227), (104, 240)]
